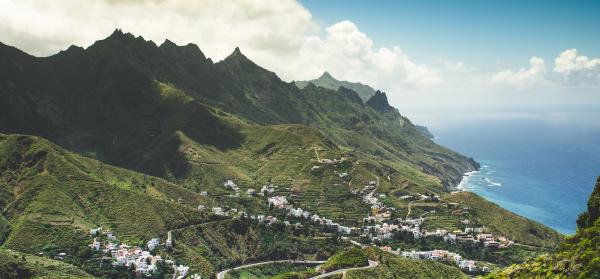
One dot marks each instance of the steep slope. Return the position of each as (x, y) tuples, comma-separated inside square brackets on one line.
[(20, 265), (392, 266), (502, 221), (327, 81), (54, 197), (578, 256)]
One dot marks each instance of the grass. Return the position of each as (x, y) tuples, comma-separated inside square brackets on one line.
[(506, 223), (14, 264), (353, 257), (276, 270), (392, 266)]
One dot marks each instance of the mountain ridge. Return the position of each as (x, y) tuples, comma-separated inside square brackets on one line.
[(328, 81)]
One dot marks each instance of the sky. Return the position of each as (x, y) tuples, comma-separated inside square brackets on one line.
[(428, 56)]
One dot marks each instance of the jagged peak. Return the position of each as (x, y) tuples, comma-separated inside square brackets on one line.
[(350, 94), (379, 102), (237, 53), (326, 75), (189, 49), (168, 43), (119, 34)]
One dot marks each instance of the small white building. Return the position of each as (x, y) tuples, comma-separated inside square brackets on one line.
[(153, 243), (96, 231)]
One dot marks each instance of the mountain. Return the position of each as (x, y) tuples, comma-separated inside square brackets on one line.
[(327, 81), (124, 100), (134, 136), (578, 256)]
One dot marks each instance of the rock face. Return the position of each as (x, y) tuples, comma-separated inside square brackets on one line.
[(379, 102)]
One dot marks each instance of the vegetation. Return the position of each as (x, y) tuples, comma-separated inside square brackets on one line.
[(578, 256), (20, 265), (352, 257), (504, 222), (392, 266), (274, 271)]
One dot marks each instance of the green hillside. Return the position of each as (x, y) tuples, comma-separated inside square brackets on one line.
[(20, 265), (57, 197), (578, 256), (392, 266)]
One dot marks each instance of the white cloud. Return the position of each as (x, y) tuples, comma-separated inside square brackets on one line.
[(568, 61), (571, 71), (525, 77), (348, 54)]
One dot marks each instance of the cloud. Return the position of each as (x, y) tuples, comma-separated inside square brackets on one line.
[(568, 61), (349, 54), (571, 71), (45, 27), (525, 77)]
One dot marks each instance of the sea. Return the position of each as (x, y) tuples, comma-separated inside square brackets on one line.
[(542, 166)]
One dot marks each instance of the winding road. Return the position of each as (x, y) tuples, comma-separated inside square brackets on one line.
[(344, 270), (221, 274), (408, 214)]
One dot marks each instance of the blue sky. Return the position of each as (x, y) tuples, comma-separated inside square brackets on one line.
[(479, 33)]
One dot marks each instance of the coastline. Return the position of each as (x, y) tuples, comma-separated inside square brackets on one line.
[(465, 179)]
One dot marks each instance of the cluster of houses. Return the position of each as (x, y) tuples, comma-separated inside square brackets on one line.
[(375, 227), (281, 202), (121, 254), (421, 197), (478, 235), (229, 184), (440, 255)]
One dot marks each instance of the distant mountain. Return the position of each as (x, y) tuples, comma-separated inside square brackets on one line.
[(326, 80), (578, 256)]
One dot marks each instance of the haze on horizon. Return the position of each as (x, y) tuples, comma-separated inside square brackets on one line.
[(435, 57)]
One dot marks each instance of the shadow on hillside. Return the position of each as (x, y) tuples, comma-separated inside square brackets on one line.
[(121, 119)]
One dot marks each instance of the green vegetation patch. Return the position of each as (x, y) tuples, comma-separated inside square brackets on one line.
[(353, 257)]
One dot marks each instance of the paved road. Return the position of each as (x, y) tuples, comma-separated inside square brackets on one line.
[(221, 274), (344, 270)]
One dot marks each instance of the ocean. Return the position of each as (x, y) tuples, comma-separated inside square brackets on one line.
[(543, 167)]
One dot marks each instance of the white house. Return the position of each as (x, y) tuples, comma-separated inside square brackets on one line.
[(153, 243)]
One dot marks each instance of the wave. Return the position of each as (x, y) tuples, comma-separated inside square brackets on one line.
[(465, 180), (492, 183)]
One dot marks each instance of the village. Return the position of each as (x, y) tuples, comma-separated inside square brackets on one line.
[(378, 226), (144, 261)]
